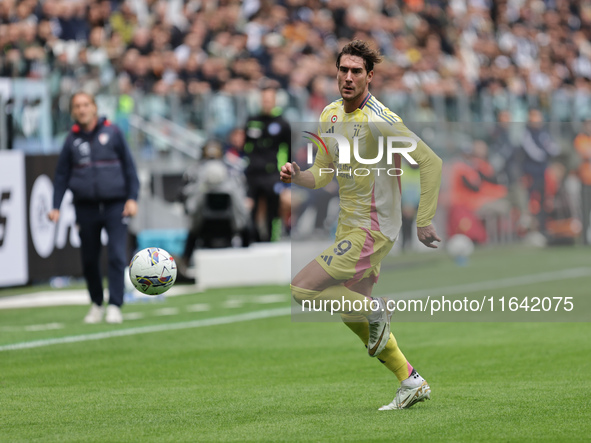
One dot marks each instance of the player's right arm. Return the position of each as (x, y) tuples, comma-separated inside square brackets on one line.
[(291, 173), (318, 176), (321, 172)]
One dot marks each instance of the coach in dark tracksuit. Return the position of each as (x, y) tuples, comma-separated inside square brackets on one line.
[(97, 166)]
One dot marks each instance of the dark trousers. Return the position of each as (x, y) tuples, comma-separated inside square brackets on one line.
[(538, 191), (406, 231), (262, 187), (91, 218)]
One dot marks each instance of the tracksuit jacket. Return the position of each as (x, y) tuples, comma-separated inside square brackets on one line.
[(96, 166)]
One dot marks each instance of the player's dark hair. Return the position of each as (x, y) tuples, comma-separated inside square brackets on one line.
[(361, 49), (77, 93)]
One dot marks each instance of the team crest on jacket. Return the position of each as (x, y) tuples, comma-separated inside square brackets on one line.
[(333, 119), (103, 138)]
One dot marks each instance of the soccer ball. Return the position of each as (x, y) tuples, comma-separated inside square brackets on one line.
[(460, 247), (152, 271)]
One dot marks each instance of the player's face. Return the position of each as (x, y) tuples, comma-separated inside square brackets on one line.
[(353, 80), (83, 110)]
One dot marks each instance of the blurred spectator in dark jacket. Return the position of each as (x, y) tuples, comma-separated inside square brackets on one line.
[(539, 149), (507, 157), (268, 138)]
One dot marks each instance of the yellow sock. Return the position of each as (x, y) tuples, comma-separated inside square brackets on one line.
[(358, 324), (338, 299), (392, 357)]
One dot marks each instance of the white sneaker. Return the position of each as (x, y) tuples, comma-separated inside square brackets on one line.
[(411, 391), (95, 315), (379, 328), (114, 314)]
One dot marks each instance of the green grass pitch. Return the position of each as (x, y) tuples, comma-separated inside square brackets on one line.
[(275, 379)]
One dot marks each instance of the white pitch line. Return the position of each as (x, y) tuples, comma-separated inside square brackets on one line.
[(494, 284), (76, 297), (133, 315), (33, 328), (449, 290), (234, 303), (45, 327), (257, 315), (270, 298), (199, 307), (166, 311)]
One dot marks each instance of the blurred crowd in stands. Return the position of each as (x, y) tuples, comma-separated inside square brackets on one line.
[(507, 48), (201, 63)]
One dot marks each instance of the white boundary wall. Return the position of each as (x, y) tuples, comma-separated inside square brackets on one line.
[(259, 264)]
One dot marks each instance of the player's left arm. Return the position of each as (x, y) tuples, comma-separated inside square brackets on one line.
[(430, 166)]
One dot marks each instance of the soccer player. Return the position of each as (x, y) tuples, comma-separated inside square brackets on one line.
[(370, 216)]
